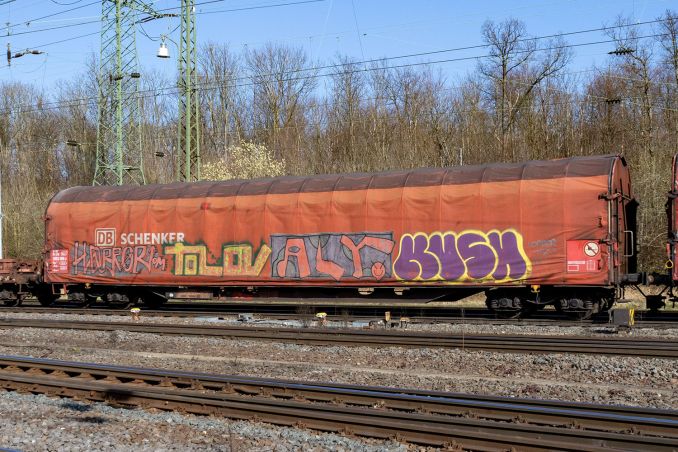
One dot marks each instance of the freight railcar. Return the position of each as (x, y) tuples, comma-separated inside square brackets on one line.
[(669, 277), (672, 216), (528, 234)]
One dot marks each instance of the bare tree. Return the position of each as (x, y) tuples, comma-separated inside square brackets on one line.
[(346, 115), (514, 68), (222, 75), (281, 84), (637, 65)]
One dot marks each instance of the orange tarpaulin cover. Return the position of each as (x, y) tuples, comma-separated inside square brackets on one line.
[(542, 222)]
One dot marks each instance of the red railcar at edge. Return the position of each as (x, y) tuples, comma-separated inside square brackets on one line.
[(672, 216), (528, 234)]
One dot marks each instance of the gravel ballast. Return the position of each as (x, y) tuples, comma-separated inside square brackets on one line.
[(590, 378), (42, 423)]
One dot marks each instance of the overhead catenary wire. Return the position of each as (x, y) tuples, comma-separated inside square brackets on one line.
[(411, 55), (299, 2), (359, 67), (96, 21)]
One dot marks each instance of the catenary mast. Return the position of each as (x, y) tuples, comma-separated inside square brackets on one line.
[(188, 161), (118, 150), (119, 153)]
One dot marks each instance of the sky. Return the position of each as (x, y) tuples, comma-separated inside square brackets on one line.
[(361, 29)]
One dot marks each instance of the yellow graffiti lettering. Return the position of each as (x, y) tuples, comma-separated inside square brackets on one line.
[(191, 260), (238, 260)]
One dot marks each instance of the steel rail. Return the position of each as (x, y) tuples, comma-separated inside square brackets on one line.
[(445, 317), (352, 337), (341, 312), (427, 417)]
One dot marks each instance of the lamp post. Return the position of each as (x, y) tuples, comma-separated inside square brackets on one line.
[(78, 145), (188, 147), (9, 63)]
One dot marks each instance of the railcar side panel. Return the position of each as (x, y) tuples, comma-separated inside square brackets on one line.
[(541, 223)]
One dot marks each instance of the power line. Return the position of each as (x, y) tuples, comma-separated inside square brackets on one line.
[(255, 7), (67, 40), (419, 54), (440, 51), (96, 21), (478, 46), (58, 13), (206, 86)]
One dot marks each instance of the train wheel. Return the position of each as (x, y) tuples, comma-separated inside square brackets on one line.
[(79, 299), (504, 307), (46, 297), (11, 302), (118, 300), (577, 308)]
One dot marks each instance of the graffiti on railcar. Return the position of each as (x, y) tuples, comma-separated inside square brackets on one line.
[(469, 255), (237, 259), (365, 255), (91, 259)]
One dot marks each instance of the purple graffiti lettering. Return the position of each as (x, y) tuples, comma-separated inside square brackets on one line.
[(445, 247), (510, 263), (466, 256), (477, 255), (414, 262)]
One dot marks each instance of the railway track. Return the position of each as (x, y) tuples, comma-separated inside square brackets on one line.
[(424, 417), (380, 337), (644, 319)]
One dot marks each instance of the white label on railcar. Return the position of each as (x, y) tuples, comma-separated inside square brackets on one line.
[(58, 261), (151, 238)]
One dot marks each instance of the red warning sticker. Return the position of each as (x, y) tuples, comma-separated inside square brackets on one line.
[(583, 256)]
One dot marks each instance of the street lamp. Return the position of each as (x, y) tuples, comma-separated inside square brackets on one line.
[(163, 50), (78, 145), (188, 146)]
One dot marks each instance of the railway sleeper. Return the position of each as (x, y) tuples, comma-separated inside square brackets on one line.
[(418, 428)]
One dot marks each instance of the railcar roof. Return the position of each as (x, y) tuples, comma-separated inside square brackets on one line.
[(472, 174)]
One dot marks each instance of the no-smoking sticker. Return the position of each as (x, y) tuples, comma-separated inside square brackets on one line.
[(591, 249)]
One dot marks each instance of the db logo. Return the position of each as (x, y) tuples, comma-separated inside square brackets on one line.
[(104, 237)]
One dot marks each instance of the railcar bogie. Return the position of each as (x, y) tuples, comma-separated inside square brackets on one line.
[(45, 294), (582, 304), (10, 295)]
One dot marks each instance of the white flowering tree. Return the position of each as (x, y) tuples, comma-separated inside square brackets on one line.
[(246, 160)]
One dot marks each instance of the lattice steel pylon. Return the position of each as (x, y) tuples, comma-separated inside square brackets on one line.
[(119, 158), (188, 155)]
